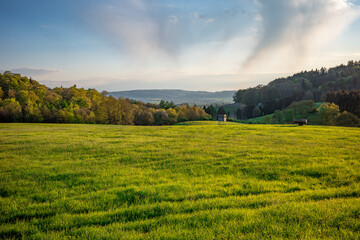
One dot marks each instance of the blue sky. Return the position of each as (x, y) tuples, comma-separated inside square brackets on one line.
[(194, 45)]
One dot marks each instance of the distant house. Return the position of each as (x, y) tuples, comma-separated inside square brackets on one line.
[(221, 118)]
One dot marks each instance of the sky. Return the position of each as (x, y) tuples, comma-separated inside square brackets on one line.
[(210, 45)]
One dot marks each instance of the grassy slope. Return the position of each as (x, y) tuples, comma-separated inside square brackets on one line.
[(312, 118), (196, 180)]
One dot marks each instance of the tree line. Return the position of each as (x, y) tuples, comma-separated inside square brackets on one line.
[(25, 100), (307, 85)]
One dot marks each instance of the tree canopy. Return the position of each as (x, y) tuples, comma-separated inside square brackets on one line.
[(25, 100)]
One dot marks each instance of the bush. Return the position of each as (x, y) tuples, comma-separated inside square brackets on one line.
[(328, 113), (267, 119), (347, 119), (289, 115), (303, 108), (277, 117)]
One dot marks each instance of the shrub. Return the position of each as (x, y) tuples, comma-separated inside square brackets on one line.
[(267, 119), (303, 108), (328, 113), (277, 117), (289, 115), (347, 119)]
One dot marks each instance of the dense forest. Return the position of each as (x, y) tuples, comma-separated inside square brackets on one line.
[(346, 100), (307, 85), (25, 100)]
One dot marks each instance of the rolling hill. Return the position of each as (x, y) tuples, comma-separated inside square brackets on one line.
[(177, 96)]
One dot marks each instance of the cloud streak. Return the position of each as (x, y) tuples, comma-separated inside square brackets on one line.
[(138, 29), (151, 32), (35, 71), (290, 31)]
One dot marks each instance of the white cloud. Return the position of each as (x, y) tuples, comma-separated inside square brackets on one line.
[(144, 35), (291, 31)]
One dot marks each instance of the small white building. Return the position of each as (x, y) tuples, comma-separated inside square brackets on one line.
[(222, 118)]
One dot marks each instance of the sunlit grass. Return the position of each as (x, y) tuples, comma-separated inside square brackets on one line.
[(194, 180)]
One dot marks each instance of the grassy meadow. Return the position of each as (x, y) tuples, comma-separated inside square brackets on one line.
[(194, 180)]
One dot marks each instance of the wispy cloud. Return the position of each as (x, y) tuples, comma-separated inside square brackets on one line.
[(201, 17), (277, 35), (137, 29), (35, 71), (148, 32), (290, 31)]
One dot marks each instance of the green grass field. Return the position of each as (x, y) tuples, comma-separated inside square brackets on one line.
[(195, 180)]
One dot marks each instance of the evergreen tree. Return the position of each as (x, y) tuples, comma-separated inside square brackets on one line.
[(221, 111)]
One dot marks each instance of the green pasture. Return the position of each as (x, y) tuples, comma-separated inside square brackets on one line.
[(312, 117), (196, 180)]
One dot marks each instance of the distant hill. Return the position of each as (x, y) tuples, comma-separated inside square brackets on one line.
[(178, 96)]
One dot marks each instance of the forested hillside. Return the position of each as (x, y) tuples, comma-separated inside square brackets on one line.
[(306, 85), (25, 100)]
